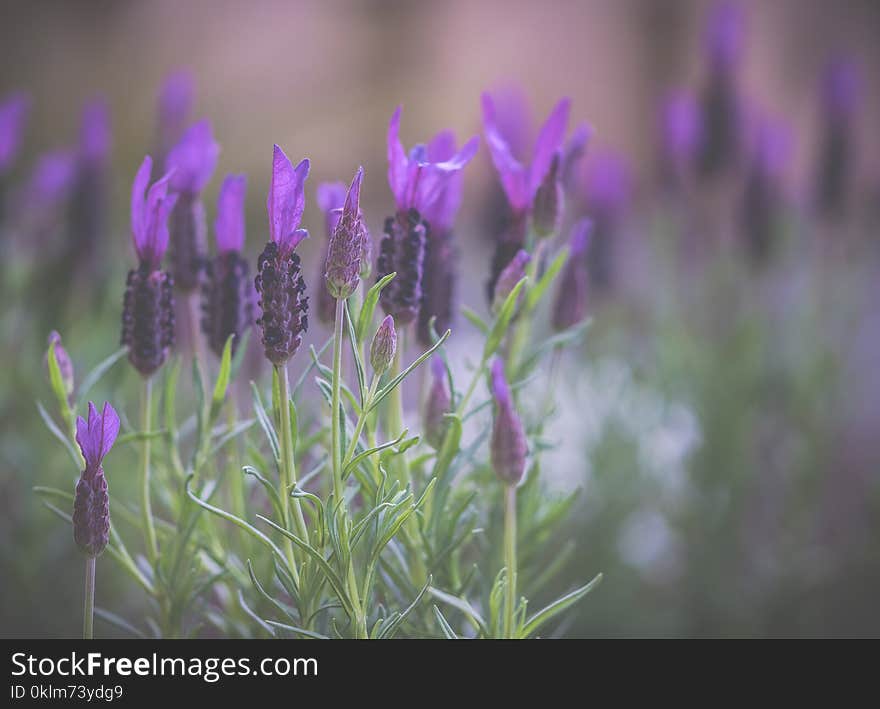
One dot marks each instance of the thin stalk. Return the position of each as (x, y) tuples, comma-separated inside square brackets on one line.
[(146, 507), (89, 600), (291, 507), (395, 409), (335, 438), (522, 328), (510, 558), (362, 420)]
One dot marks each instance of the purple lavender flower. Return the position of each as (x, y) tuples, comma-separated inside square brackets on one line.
[(331, 197), (520, 182), (50, 183), (226, 291), (508, 446), (88, 203), (680, 133), (148, 308), (574, 150), (193, 161), (279, 282), (438, 275), (13, 113), (841, 97), (512, 274), (607, 189), (384, 346), (174, 107), (91, 504), (570, 306), (549, 199), (426, 191), (437, 405), (724, 35), (65, 364), (344, 252), (762, 200)]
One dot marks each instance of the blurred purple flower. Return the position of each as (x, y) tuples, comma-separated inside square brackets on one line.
[(175, 104), (437, 405), (512, 274), (549, 201), (724, 35), (91, 505), (402, 251), (50, 182), (95, 132), (424, 181), (570, 305), (574, 150), (13, 113), (513, 119), (149, 214), (680, 130), (229, 225), (509, 447), (607, 184), (842, 88), (521, 182), (193, 159)]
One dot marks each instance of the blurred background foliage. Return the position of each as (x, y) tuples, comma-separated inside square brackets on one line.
[(721, 419)]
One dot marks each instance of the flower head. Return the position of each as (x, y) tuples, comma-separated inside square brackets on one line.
[(724, 35), (94, 132), (681, 127), (91, 505), (512, 274), (330, 197), (508, 446), (427, 178), (574, 150), (149, 216), (286, 201), (174, 107), (229, 225), (842, 88), (193, 159), (608, 184), (383, 346), (521, 182), (346, 249), (51, 181), (548, 204), (13, 113)]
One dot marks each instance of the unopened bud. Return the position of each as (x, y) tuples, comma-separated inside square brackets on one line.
[(384, 346), (65, 365)]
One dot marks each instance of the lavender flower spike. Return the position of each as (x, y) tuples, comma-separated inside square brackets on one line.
[(13, 113), (508, 446), (512, 274), (193, 161), (65, 365), (91, 504), (279, 282), (330, 197), (226, 291), (437, 405), (384, 346), (570, 306), (148, 307), (345, 250)]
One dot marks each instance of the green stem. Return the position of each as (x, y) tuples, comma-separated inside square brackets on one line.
[(472, 387), (335, 438), (510, 558), (362, 420), (147, 509), (291, 507), (89, 601), (523, 326), (395, 410)]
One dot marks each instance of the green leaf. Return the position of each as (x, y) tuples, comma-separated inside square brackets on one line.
[(116, 621), (57, 382), (365, 319), (93, 377), (55, 431), (356, 352), (445, 628), (253, 616), (475, 320), (533, 297), (222, 384), (450, 447), (557, 607), (274, 497), (370, 451), (298, 631), (388, 388), (462, 605), (388, 629), (501, 323), (138, 436), (256, 582), (265, 422)]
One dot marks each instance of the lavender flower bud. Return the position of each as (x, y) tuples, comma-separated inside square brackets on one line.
[(148, 318), (384, 346), (343, 265), (571, 297), (548, 204), (65, 365), (508, 446), (189, 241), (512, 240), (438, 286), (91, 504), (402, 251), (510, 276), (438, 404), (366, 252)]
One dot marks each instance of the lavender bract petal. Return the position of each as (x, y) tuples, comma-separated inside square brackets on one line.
[(229, 226)]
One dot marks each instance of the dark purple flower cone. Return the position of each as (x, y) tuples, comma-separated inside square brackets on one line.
[(91, 512), (512, 241), (226, 303), (283, 302), (438, 286), (188, 241), (719, 147), (402, 251), (148, 318)]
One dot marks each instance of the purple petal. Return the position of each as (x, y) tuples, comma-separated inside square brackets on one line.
[(94, 133), (513, 176), (681, 126), (513, 119), (353, 199), (289, 242), (175, 103), (82, 437), (109, 429), (138, 188), (229, 225), (286, 200), (331, 197), (500, 390), (580, 238), (51, 180), (574, 150), (193, 159), (724, 34), (549, 141), (441, 147), (608, 182), (398, 164), (13, 112)]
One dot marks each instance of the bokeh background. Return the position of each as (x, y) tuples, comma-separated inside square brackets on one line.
[(722, 416)]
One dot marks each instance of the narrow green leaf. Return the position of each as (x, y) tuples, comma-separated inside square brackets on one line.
[(365, 319), (57, 383), (253, 616), (557, 607), (222, 384), (475, 320), (265, 422), (445, 628), (501, 323), (299, 631), (533, 297), (93, 377), (462, 605), (388, 388), (356, 352), (390, 628), (370, 451), (55, 431)]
